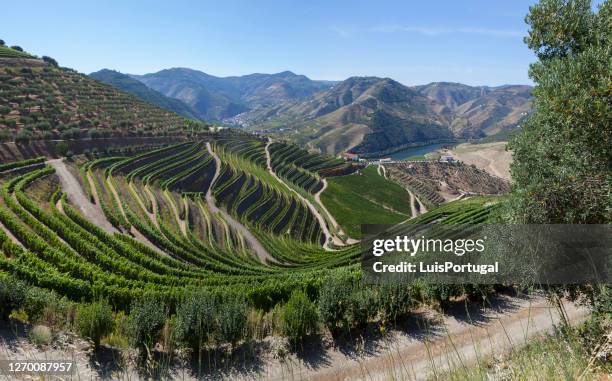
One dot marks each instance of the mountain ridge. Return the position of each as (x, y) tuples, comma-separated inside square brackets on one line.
[(360, 114), (373, 114), (126, 83), (217, 98)]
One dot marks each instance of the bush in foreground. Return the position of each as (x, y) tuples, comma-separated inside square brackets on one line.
[(41, 335), (195, 320), (12, 295), (334, 299), (147, 318), (232, 318), (94, 321), (299, 317), (36, 301)]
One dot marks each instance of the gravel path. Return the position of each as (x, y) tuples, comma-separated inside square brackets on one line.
[(444, 341), (181, 223), (72, 188), (253, 242)]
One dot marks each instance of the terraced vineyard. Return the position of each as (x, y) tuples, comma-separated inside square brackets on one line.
[(366, 198), (205, 216), (40, 101), (435, 183)]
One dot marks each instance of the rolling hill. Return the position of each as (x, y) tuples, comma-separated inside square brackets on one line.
[(370, 115), (126, 83), (216, 98), (41, 101)]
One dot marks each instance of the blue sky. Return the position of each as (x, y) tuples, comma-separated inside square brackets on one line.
[(414, 42)]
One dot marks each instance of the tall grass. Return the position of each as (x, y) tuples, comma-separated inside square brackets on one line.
[(559, 356)]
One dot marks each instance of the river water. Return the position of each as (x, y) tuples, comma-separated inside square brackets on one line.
[(416, 151)]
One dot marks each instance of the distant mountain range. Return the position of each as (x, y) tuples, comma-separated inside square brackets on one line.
[(379, 115), (361, 114), (126, 83), (479, 111), (217, 98)]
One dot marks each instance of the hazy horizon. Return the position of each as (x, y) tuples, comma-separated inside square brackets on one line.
[(316, 79)]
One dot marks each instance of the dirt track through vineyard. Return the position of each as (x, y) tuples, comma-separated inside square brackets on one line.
[(322, 222), (253, 242), (72, 188)]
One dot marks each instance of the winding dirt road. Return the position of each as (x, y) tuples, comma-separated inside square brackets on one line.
[(253, 242), (322, 222), (382, 171), (413, 209), (72, 188), (142, 205), (181, 223), (434, 342), (414, 200)]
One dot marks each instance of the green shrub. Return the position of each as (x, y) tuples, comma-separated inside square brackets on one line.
[(118, 338), (23, 137), (50, 61), (442, 293), (478, 292), (195, 320), (94, 321), (395, 300), (44, 126), (361, 308), (334, 300), (36, 301), (12, 295), (147, 318), (232, 317), (60, 313), (62, 148), (299, 317)]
